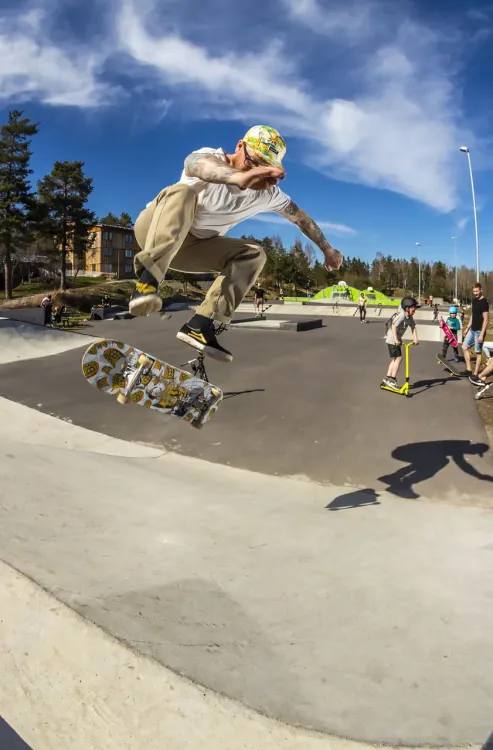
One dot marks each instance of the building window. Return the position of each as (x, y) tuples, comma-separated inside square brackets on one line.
[(128, 268), (107, 235), (129, 238), (108, 251), (93, 267), (107, 268), (128, 254)]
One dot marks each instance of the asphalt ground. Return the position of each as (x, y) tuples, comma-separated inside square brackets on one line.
[(299, 404)]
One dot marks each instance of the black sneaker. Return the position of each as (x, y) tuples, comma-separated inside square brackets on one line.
[(199, 332), (145, 299), (475, 380)]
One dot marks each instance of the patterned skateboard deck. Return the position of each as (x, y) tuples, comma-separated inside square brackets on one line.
[(133, 376), (450, 367), (449, 334)]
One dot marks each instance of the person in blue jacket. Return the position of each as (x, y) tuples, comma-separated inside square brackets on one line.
[(454, 324)]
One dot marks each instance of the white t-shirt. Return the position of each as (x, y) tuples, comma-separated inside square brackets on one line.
[(221, 207)]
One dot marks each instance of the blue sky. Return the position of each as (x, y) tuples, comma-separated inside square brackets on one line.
[(374, 100)]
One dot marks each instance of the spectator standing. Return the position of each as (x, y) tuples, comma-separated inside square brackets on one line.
[(362, 303), (475, 332)]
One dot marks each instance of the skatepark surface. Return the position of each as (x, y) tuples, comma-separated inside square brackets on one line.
[(313, 569)]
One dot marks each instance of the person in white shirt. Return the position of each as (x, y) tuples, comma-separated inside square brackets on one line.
[(184, 226), (362, 308)]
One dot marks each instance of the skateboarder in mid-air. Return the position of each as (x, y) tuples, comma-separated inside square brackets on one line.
[(403, 320), (184, 227), (453, 323)]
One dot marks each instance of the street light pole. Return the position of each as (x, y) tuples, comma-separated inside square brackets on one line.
[(465, 150), (418, 244), (455, 264)]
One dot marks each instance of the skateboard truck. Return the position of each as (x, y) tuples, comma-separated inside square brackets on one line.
[(197, 366), (144, 364)]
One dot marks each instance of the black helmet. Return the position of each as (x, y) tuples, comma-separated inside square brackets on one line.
[(408, 302)]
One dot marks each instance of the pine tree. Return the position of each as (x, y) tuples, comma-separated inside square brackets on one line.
[(16, 198), (63, 195), (110, 219), (124, 220)]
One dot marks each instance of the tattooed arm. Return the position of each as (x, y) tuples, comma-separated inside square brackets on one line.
[(208, 167), (310, 229), (211, 168)]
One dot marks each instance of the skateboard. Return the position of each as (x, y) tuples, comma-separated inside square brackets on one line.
[(450, 367), (449, 335), (133, 376)]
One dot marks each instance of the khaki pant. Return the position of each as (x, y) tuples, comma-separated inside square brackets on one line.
[(162, 231)]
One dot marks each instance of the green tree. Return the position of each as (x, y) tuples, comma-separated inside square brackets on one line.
[(300, 270), (439, 285), (16, 198), (124, 220), (321, 276), (63, 215), (110, 219)]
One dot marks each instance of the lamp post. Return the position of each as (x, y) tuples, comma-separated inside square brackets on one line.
[(455, 264), (465, 150), (418, 244)]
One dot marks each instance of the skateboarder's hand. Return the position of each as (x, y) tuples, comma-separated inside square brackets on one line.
[(333, 259), (481, 340), (257, 178)]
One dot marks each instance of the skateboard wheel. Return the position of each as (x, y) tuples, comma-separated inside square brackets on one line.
[(215, 392), (144, 361), (122, 399)]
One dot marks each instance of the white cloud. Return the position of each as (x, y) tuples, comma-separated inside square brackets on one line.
[(462, 223), (399, 133), (397, 128), (327, 226), (478, 15), (32, 68), (350, 19)]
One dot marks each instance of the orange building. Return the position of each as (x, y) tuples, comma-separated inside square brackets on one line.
[(112, 252)]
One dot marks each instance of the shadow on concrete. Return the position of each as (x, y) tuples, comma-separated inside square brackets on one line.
[(488, 745), (424, 460), (232, 394), (425, 385), (10, 740), (356, 499)]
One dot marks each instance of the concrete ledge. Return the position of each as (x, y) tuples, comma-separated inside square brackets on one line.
[(301, 325), (279, 325)]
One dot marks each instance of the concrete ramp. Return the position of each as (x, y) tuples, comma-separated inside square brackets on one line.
[(19, 341), (355, 624)]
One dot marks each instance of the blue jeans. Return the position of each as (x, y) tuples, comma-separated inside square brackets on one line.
[(472, 339)]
